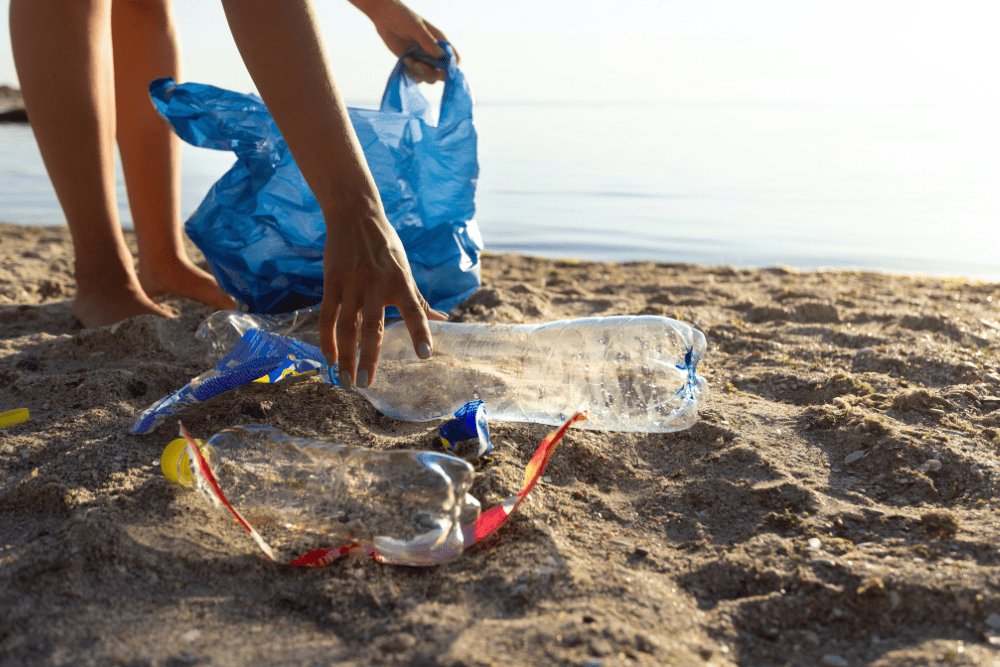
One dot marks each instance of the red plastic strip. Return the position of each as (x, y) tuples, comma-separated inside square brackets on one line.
[(491, 520), (194, 451)]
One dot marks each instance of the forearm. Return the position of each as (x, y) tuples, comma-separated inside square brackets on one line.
[(282, 48), (367, 7)]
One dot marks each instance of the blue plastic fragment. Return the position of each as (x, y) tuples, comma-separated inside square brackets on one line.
[(256, 355), (470, 423)]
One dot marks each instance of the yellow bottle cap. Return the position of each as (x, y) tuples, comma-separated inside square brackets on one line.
[(12, 417), (174, 462)]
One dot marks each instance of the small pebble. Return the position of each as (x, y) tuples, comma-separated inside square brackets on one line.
[(814, 543), (932, 465), (993, 621), (854, 456), (399, 642), (832, 661), (191, 635)]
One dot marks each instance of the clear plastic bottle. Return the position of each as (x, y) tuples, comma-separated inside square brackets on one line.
[(302, 495), (632, 373)]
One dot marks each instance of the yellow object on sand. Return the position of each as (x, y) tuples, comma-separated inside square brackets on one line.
[(12, 417), (174, 462)]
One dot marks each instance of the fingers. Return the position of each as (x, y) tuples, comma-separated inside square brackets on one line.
[(352, 336), (427, 38), (415, 313), (372, 329), (328, 311), (348, 327), (422, 72), (438, 35)]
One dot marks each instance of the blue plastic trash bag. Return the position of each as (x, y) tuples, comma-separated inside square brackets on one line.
[(260, 226)]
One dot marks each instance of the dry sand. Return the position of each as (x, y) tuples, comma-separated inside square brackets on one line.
[(797, 523)]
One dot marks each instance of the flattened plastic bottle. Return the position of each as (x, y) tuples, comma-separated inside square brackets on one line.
[(632, 373), (304, 495)]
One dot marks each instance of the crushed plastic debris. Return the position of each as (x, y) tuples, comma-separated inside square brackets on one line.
[(258, 355), (383, 551), (470, 423)]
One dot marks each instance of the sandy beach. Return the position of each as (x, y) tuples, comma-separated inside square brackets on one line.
[(835, 504)]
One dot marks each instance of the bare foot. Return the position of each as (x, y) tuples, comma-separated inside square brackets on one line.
[(101, 306), (183, 278)]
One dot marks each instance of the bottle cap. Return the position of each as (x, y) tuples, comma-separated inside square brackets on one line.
[(174, 462)]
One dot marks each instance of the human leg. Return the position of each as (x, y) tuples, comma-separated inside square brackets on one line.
[(63, 55), (145, 48)]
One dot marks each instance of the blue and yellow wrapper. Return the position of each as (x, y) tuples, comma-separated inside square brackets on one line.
[(470, 423)]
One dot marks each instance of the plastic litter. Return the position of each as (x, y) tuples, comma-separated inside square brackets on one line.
[(633, 373), (11, 417), (257, 356), (223, 329), (470, 423), (260, 227), (293, 495), (303, 495)]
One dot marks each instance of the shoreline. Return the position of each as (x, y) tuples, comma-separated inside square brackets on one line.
[(12, 106), (799, 521)]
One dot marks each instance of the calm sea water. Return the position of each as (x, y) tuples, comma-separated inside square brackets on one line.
[(894, 188)]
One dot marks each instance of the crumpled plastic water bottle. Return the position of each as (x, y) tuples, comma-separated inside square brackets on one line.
[(303, 495)]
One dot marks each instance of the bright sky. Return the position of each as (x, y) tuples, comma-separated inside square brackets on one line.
[(652, 50)]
